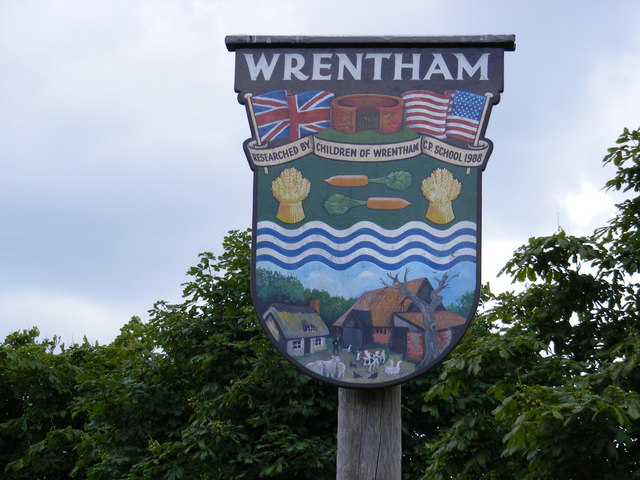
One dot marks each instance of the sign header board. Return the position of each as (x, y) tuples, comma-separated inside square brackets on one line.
[(367, 156)]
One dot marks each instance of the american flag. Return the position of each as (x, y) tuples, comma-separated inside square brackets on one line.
[(280, 114), (464, 116), (426, 112), (453, 114)]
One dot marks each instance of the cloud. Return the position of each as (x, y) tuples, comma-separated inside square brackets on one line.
[(58, 314), (585, 208), (367, 275), (495, 254), (114, 143), (319, 278), (612, 86), (562, 108), (348, 283), (122, 137)]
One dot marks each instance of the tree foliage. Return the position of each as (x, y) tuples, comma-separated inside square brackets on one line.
[(463, 304), (275, 287), (551, 390), (38, 430), (544, 385)]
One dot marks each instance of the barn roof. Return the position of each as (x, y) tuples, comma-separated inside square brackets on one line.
[(361, 317), (443, 318), (382, 303)]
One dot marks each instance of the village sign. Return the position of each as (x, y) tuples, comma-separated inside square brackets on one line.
[(367, 156)]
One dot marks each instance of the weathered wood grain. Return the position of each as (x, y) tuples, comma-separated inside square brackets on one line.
[(369, 434)]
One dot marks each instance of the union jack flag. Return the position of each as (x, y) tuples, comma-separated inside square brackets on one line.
[(311, 113), (271, 112), (283, 115), (454, 113)]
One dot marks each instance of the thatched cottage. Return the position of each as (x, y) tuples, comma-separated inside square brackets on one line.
[(298, 329)]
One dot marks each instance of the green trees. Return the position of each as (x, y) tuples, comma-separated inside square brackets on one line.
[(250, 414), (198, 392), (544, 385), (551, 388), (38, 431), (274, 287)]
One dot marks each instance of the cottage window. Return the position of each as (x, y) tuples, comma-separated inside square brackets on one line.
[(309, 329), (317, 342), (381, 331), (296, 344)]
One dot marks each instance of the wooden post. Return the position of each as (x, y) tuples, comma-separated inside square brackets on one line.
[(369, 434)]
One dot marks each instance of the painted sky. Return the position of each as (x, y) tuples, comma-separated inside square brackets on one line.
[(364, 277), (121, 137)]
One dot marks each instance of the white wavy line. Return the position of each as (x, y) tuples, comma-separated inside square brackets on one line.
[(360, 225), (365, 251), (364, 238)]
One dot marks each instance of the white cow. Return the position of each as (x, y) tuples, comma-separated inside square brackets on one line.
[(380, 355)]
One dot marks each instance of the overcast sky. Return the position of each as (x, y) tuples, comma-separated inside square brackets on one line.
[(121, 136)]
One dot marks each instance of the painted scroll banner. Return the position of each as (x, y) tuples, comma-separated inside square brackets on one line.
[(471, 156)]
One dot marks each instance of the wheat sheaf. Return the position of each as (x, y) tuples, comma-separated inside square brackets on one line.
[(290, 188), (440, 189)]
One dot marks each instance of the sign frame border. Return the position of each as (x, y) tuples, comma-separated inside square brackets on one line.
[(236, 43)]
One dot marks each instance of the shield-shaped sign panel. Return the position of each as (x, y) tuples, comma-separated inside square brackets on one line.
[(367, 156)]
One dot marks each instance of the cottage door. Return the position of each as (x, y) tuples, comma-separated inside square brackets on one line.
[(307, 345)]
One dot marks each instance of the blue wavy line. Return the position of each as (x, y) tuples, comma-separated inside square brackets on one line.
[(343, 253), (365, 258), (363, 231)]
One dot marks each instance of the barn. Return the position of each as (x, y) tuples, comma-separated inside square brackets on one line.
[(385, 317), (409, 329)]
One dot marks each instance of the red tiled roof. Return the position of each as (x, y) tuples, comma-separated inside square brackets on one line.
[(443, 318)]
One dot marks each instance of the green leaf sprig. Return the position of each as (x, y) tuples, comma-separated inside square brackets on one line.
[(398, 180)]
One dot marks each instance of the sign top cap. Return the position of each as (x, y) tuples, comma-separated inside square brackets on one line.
[(506, 42)]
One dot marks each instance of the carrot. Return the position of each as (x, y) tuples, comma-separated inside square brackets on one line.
[(387, 203), (348, 180), (338, 204)]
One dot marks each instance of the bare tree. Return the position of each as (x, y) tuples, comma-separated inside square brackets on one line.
[(426, 307)]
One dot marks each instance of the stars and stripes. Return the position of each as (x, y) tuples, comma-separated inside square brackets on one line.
[(283, 115), (463, 119), (426, 112), (454, 114)]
